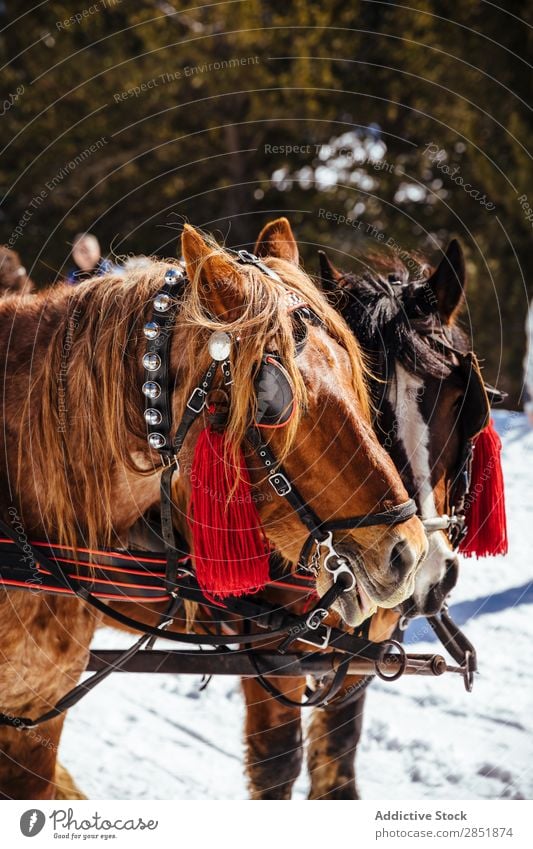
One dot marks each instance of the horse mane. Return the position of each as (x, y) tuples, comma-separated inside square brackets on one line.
[(83, 415), (390, 308)]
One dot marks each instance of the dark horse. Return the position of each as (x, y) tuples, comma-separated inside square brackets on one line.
[(78, 470), (424, 422)]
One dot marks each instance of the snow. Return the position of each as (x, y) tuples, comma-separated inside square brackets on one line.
[(146, 737)]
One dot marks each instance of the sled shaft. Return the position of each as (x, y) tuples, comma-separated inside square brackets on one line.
[(239, 663)]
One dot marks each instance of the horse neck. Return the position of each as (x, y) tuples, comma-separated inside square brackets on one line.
[(52, 447)]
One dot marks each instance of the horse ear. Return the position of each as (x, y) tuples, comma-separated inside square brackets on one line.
[(330, 277), (277, 239), (215, 275), (448, 282)]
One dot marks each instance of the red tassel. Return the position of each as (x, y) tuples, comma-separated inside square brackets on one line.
[(229, 546), (485, 503)]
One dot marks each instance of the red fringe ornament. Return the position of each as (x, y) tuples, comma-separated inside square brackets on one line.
[(229, 546), (485, 503)]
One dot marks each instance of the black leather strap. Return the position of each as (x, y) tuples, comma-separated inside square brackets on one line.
[(167, 528), (318, 697), (194, 406), (158, 347), (281, 484), (318, 530)]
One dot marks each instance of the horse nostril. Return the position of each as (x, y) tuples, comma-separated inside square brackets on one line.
[(402, 559)]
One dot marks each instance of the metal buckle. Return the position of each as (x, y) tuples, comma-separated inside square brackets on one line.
[(325, 639), (169, 460), (226, 371), (468, 669), (248, 257), (196, 402), (342, 568), (280, 484), (315, 618)]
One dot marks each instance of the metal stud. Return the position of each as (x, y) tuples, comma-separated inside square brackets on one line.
[(151, 361), (162, 302), (151, 330), (152, 417), (172, 276), (156, 440), (151, 389)]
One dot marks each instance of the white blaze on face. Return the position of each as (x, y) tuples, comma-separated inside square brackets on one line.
[(413, 433)]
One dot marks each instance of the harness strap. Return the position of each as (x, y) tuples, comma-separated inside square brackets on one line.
[(281, 484), (167, 528), (318, 697), (319, 530), (352, 694), (456, 643), (189, 590), (194, 406), (156, 361)]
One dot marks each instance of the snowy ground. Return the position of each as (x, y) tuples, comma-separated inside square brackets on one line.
[(152, 737)]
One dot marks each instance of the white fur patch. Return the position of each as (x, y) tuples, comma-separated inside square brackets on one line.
[(413, 433)]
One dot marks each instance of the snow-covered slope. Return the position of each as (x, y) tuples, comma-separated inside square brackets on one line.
[(157, 737)]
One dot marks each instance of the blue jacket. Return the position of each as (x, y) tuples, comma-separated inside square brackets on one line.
[(103, 266)]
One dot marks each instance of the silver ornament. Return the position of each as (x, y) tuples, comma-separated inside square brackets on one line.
[(151, 361), (172, 276), (219, 346), (162, 302), (152, 417), (151, 330), (156, 440)]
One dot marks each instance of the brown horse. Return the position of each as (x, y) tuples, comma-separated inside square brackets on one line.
[(78, 468), (420, 424), (13, 276)]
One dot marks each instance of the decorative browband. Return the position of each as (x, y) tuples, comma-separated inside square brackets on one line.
[(156, 390)]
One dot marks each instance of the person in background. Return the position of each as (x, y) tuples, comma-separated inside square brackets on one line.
[(528, 367), (89, 261)]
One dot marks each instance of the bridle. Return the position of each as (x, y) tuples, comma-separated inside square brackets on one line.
[(158, 416), (475, 408), (474, 417)]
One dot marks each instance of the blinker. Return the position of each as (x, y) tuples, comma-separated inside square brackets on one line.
[(274, 393), (475, 407)]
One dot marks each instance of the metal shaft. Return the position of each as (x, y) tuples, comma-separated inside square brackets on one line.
[(238, 663)]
